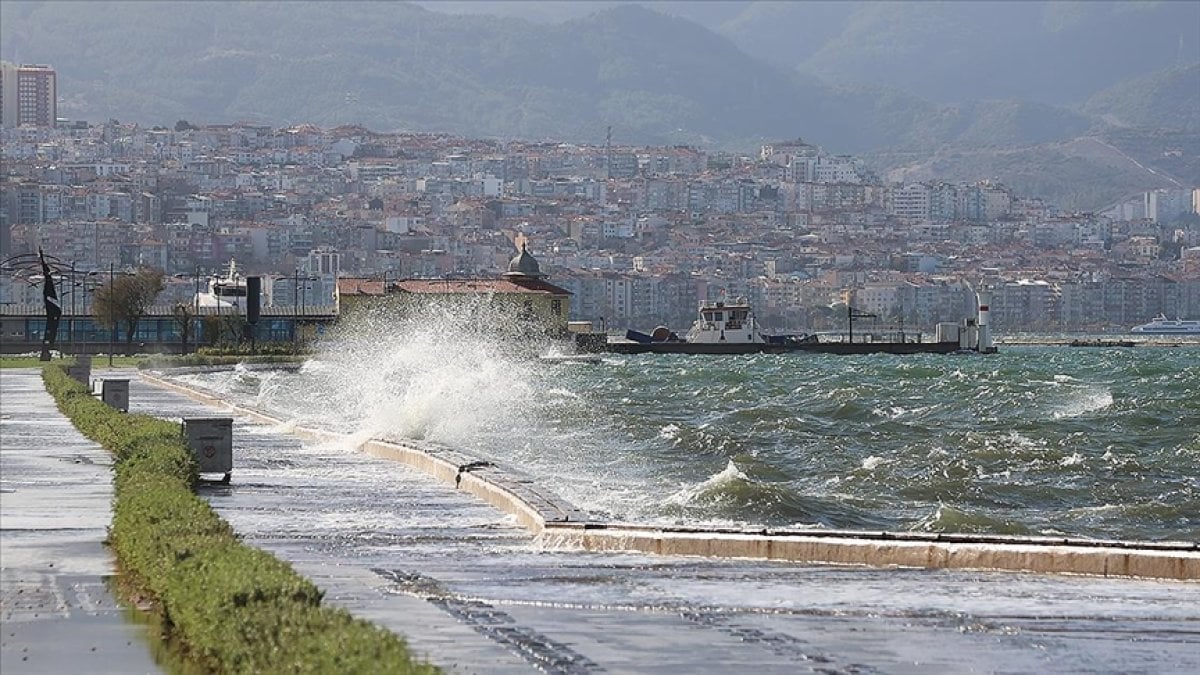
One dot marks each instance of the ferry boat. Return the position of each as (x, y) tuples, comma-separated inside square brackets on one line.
[(225, 292), (731, 329), (1161, 325)]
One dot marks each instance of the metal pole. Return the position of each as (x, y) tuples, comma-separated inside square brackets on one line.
[(196, 312), (295, 305), (112, 317), (72, 328)]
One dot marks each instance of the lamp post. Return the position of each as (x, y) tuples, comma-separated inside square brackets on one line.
[(112, 317), (71, 325), (295, 306)]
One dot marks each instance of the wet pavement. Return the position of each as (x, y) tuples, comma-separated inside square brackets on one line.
[(475, 593), (56, 612)]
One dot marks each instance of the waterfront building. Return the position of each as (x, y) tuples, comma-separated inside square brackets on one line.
[(526, 302)]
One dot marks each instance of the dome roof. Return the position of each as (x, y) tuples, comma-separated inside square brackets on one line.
[(524, 265)]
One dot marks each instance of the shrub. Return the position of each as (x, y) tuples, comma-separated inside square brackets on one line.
[(232, 608)]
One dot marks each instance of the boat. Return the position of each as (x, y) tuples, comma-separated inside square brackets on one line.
[(225, 292), (590, 359), (731, 329), (1161, 325), (1101, 343)]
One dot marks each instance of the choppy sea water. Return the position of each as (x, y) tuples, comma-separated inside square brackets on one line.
[(1091, 442)]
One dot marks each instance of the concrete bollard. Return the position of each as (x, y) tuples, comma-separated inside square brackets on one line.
[(211, 442), (115, 393), (81, 370)]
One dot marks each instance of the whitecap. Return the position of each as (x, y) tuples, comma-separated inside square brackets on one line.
[(730, 474), (669, 432), (1088, 403), (1072, 460), (871, 462)]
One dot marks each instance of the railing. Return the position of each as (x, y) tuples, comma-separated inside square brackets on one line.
[(38, 309)]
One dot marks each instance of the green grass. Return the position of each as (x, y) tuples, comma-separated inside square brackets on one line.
[(97, 361), (230, 607), (218, 360)]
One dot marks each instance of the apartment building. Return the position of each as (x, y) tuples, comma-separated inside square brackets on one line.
[(28, 95)]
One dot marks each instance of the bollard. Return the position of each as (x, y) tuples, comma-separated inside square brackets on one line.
[(81, 370), (211, 442), (115, 393)]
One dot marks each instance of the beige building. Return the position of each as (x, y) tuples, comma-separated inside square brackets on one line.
[(534, 305), (28, 95)]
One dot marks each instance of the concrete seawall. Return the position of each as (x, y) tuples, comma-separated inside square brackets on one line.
[(560, 524)]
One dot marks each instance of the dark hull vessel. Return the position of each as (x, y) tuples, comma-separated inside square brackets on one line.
[(785, 347), (731, 329)]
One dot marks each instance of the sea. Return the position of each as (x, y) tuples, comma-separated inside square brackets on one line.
[(1091, 442)]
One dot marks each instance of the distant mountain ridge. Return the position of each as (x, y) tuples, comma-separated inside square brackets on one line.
[(1167, 99), (656, 79)]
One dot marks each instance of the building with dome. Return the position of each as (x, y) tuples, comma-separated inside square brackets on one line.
[(536, 306)]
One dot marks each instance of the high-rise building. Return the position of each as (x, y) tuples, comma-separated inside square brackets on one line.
[(28, 95)]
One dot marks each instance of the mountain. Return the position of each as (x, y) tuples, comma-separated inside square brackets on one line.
[(1168, 99), (1052, 52), (1048, 51), (655, 78)]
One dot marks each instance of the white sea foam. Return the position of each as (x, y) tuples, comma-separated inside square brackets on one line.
[(1071, 460), (731, 473), (1088, 402), (871, 462), (670, 432)]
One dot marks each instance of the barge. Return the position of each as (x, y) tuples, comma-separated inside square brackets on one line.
[(731, 329)]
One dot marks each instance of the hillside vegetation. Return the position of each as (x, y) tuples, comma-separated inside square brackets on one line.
[(1168, 99)]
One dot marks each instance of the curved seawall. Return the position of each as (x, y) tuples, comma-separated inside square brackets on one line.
[(560, 524)]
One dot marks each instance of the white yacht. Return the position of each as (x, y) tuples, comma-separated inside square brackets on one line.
[(1161, 325), (226, 292)]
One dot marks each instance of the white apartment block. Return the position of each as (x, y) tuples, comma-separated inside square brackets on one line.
[(911, 202)]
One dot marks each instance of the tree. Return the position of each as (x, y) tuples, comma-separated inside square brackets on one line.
[(183, 125), (125, 300), (183, 314)]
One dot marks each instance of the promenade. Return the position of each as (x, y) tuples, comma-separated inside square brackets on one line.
[(56, 611), (474, 592)]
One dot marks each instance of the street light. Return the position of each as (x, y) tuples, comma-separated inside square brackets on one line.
[(112, 318)]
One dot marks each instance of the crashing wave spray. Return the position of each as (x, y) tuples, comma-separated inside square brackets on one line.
[(454, 373)]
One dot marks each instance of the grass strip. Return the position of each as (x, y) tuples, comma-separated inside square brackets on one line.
[(217, 360), (36, 362), (231, 607)]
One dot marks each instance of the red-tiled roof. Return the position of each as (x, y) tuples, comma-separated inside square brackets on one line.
[(353, 286), (506, 285)]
